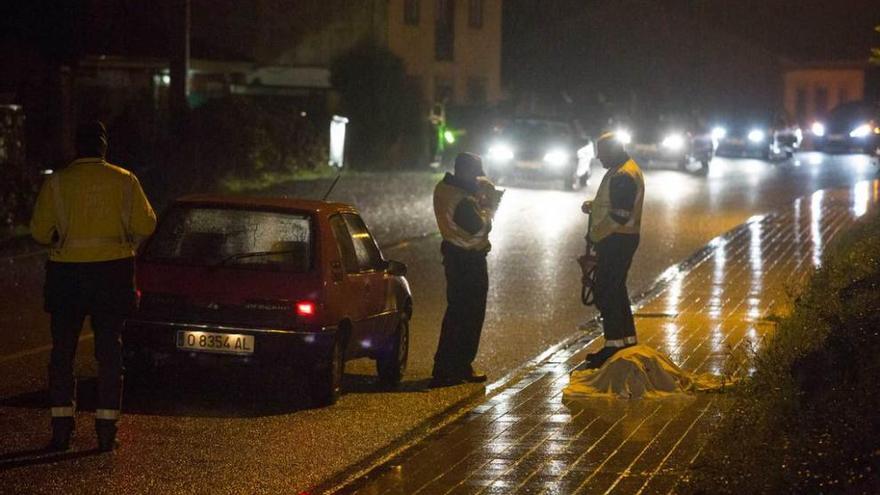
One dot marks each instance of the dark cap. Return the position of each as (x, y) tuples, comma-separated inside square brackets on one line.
[(469, 164), (610, 149), (91, 138)]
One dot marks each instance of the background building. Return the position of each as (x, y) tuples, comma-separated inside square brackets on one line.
[(811, 90), (452, 48)]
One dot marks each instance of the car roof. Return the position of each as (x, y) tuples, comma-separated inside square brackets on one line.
[(266, 202)]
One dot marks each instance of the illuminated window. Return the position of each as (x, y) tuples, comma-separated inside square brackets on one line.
[(475, 13), (411, 12)]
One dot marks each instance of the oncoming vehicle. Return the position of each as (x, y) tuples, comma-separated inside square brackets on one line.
[(542, 148), (851, 127), (756, 137), (292, 285), (670, 140)]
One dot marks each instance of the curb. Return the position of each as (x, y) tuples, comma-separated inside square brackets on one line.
[(574, 343)]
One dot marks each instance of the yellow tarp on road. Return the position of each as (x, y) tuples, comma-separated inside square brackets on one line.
[(638, 372)]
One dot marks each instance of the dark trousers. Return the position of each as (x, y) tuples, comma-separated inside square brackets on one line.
[(615, 257), (467, 283), (105, 292)]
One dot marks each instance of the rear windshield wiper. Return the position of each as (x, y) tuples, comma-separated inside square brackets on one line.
[(253, 254)]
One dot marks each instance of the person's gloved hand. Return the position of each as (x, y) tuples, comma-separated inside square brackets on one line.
[(587, 207)]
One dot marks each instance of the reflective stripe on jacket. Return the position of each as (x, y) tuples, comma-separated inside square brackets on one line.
[(91, 211), (610, 215), (460, 218)]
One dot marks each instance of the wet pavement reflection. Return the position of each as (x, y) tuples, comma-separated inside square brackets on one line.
[(708, 313), (236, 439)]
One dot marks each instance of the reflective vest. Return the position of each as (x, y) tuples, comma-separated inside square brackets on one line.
[(602, 223), (446, 199), (91, 211)]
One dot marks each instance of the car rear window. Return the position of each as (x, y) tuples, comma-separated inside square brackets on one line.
[(203, 236)]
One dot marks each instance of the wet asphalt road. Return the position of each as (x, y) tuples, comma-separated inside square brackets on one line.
[(230, 434)]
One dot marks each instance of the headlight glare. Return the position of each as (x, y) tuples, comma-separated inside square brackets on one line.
[(861, 131), (718, 133), (623, 136), (556, 157), (673, 142), (500, 153), (818, 129), (756, 135)]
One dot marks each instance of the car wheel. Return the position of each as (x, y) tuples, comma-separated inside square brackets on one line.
[(325, 385), (391, 364)]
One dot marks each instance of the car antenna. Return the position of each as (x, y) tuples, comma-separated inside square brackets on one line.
[(330, 189)]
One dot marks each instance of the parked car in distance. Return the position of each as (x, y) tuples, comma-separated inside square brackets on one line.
[(540, 148), (756, 136), (284, 284), (851, 127), (670, 140)]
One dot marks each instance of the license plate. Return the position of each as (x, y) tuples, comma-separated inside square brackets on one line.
[(646, 148), (530, 164), (228, 343), (835, 137)]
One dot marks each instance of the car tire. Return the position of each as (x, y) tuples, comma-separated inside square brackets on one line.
[(391, 364), (325, 383)]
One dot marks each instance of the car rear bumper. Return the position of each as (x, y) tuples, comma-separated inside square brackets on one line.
[(158, 342)]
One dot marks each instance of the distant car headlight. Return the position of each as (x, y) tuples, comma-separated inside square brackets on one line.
[(623, 136), (818, 129), (861, 131), (673, 142), (718, 133), (556, 157), (756, 135), (500, 153)]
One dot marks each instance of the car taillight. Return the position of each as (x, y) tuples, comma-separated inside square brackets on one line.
[(305, 308)]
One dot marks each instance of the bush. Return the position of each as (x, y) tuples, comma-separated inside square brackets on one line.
[(807, 420), (387, 124), (241, 141)]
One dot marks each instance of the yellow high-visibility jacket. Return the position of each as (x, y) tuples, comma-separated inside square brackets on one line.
[(91, 211), (617, 208)]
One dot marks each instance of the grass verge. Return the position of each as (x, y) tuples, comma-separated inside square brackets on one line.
[(808, 419)]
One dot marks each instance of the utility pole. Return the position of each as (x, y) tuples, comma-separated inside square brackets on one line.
[(179, 63)]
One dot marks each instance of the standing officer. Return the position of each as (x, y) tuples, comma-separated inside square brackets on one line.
[(92, 214), (464, 225), (616, 218)]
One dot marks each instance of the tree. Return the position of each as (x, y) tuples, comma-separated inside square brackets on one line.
[(386, 124)]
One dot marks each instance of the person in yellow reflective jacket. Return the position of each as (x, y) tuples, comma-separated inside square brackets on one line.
[(616, 218), (92, 215)]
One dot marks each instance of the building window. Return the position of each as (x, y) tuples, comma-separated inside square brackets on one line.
[(821, 101), (800, 104), (475, 13), (476, 90), (443, 90), (444, 30), (411, 12), (842, 96)]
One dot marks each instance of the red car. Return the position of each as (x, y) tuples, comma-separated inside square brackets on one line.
[(284, 283)]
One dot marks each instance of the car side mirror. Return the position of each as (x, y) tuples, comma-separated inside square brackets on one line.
[(395, 268)]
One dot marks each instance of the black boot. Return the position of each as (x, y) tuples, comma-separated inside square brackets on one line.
[(62, 431), (106, 430)]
